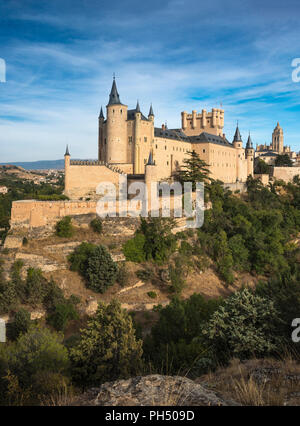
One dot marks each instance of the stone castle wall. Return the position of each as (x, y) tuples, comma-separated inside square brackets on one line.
[(285, 173)]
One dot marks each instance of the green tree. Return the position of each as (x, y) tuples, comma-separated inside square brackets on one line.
[(244, 326), (108, 349), (20, 324), (80, 256), (35, 353), (283, 160), (61, 315), (261, 167), (194, 170), (96, 225), (159, 240), (64, 227), (133, 249), (101, 270)]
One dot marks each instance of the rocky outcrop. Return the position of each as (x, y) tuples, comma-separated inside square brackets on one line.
[(150, 391)]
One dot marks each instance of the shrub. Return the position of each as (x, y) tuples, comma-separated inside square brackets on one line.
[(144, 274), (96, 225), (123, 274), (244, 326), (134, 249), (159, 240), (176, 277), (20, 325), (36, 352), (152, 294), (64, 227), (79, 258), (108, 349), (101, 270), (62, 314)]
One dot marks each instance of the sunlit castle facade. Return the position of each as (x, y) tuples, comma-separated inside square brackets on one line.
[(129, 143)]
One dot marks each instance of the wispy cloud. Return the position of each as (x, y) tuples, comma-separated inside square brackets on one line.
[(177, 55)]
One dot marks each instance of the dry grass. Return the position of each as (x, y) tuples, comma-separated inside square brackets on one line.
[(258, 382)]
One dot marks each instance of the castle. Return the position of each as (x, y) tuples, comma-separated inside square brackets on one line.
[(129, 143)]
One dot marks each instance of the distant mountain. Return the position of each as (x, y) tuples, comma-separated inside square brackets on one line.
[(39, 165)]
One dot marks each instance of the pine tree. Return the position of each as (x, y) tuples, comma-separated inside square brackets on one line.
[(194, 170)]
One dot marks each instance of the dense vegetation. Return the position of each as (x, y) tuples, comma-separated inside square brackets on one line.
[(254, 234), (19, 189)]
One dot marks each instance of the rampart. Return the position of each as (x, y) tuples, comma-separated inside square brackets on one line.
[(285, 173)]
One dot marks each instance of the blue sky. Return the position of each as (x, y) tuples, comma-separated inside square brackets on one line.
[(177, 54)]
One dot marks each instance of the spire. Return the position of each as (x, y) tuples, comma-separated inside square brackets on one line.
[(101, 115), (151, 111), (237, 135), (67, 151), (114, 98), (150, 160), (137, 108), (249, 144)]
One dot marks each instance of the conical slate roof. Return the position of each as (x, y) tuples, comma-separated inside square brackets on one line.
[(137, 109), (101, 115), (114, 98), (249, 142), (67, 151), (151, 111), (150, 160), (237, 135)]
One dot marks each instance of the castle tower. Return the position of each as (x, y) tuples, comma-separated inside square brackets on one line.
[(250, 156), (137, 140), (238, 145), (101, 146), (151, 118), (67, 165), (116, 128), (150, 176), (277, 139)]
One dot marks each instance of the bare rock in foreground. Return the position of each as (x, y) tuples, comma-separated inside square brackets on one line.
[(150, 391)]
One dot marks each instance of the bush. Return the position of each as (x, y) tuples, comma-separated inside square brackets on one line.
[(123, 274), (79, 258), (108, 349), (101, 270), (23, 362), (62, 314), (96, 225), (64, 227), (152, 294), (134, 249), (20, 325), (243, 327)]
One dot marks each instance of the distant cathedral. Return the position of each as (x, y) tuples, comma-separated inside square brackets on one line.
[(129, 143)]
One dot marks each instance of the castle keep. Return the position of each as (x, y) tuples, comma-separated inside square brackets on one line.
[(129, 143)]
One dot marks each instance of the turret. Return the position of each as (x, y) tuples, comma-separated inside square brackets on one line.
[(184, 120), (238, 145), (250, 156), (150, 176), (137, 138), (67, 165), (151, 114), (116, 128), (101, 155)]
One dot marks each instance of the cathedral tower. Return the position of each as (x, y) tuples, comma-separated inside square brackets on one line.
[(277, 139)]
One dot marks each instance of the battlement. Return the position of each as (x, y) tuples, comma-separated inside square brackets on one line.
[(196, 123)]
